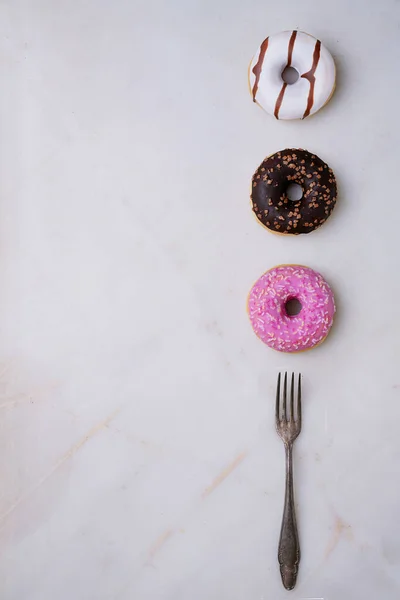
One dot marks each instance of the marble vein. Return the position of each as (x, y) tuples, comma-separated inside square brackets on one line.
[(223, 475), (66, 456)]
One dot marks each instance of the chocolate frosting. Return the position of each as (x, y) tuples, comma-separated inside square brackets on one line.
[(269, 186)]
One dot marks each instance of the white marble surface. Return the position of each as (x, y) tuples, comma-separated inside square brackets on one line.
[(138, 458)]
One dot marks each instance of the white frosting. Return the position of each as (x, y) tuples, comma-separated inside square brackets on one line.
[(314, 64)]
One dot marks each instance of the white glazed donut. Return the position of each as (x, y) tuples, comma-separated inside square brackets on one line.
[(312, 61)]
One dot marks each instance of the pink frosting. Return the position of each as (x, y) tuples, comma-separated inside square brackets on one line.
[(268, 316)]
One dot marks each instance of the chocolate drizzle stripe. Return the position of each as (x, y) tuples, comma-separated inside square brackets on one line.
[(279, 101), (288, 64), (258, 67), (310, 75)]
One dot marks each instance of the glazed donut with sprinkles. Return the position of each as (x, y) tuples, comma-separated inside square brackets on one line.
[(270, 298), (312, 69), (270, 185)]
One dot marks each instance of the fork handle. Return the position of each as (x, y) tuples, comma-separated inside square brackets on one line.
[(289, 547)]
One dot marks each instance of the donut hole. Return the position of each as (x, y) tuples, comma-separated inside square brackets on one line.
[(293, 307), (294, 192), (290, 75)]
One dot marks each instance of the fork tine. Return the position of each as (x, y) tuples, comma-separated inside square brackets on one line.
[(284, 397), (292, 398), (299, 400), (278, 395)]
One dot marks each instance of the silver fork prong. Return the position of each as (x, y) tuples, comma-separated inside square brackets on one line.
[(299, 400), (292, 398), (278, 397), (284, 415)]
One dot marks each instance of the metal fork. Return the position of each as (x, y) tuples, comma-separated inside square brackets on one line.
[(288, 426)]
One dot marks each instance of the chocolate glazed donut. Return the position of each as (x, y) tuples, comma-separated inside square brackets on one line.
[(270, 182)]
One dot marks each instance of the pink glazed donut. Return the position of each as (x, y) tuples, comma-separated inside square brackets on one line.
[(274, 319)]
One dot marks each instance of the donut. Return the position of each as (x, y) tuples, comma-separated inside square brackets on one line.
[(270, 184), (269, 301), (313, 67)]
